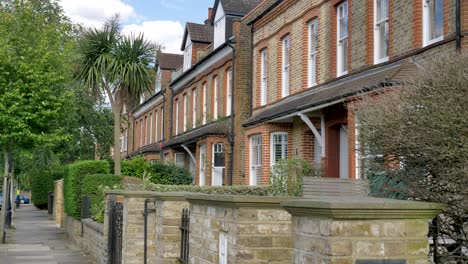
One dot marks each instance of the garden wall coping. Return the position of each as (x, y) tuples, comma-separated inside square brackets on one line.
[(353, 207), (237, 200), (93, 225), (161, 196)]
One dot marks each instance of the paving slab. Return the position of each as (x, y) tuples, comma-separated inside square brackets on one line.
[(37, 239)]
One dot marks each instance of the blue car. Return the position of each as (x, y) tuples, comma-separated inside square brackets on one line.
[(23, 199)]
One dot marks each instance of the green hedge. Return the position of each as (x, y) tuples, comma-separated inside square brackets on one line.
[(135, 167), (42, 183), (73, 183), (263, 190), (94, 185), (169, 174)]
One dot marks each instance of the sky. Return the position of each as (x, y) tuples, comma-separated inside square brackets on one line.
[(161, 21)]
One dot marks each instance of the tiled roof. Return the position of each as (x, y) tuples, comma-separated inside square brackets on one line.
[(217, 128), (153, 148), (168, 61), (200, 32), (239, 7), (392, 74)]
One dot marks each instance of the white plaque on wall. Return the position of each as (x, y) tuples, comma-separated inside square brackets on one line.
[(223, 248)]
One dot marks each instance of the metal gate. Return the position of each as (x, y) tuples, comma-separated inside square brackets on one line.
[(115, 232)]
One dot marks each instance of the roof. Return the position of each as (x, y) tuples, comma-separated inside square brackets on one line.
[(153, 148), (216, 128), (384, 76), (236, 7), (169, 61), (198, 33)]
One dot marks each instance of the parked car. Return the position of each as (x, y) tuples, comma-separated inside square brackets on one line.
[(1, 200), (23, 199)]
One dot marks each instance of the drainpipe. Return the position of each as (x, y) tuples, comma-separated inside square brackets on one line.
[(458, 25), (145, 214), (231, 139)]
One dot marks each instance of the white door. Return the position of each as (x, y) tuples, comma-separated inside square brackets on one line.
[(344, 152), (255, 160), (202, 181), (218, 165)]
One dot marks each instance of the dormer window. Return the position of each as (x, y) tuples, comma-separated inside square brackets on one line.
[(188, 54), (219, 27)]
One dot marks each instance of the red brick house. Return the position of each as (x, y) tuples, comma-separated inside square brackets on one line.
[(312, 58), (203, 127), (148, 120)]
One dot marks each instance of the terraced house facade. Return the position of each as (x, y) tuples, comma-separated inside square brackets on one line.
[(268, 80), (312, 58)]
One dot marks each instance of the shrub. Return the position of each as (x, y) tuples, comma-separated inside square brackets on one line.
[(286, 176), (73, 183), (43, 183), (94, 186), (222, 190), (169, 174), (135, 167)]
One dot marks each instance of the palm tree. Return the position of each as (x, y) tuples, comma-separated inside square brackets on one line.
[(119, 67)]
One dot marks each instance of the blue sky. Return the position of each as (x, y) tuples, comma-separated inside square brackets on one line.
[(161, 21)]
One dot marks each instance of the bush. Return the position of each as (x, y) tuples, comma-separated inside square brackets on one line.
[(169, 174), (135, 167), (43, 183), (222, 190), (94, 186), (286, 176), (73, 183)]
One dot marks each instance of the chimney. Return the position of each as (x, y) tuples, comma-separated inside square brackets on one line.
[(210, 12)]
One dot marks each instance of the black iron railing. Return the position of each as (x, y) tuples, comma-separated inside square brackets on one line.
[(185, 232), (85, 207), (115, 232)]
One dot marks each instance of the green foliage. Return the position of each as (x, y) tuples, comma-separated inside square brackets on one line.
[(43, 183), (94, 186), (286, 176), (135, 167), (221, 190), (169, 174), (74, 182)]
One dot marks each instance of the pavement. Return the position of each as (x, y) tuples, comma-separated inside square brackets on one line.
[(37, 240)]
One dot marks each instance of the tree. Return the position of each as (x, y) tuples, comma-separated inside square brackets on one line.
[(117, 66), (36, 41), (417, 141)]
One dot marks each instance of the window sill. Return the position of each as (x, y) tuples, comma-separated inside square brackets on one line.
[(378, 61), (341, 74), (432, 41)]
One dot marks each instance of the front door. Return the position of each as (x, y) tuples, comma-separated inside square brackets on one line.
[(218, 165), (202, 181), (344, 152)]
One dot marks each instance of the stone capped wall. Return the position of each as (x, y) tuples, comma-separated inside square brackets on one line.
[(255, 229), (93, 240)]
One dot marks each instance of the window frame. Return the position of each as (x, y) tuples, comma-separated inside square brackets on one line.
[(194, 108), (285, 65), (156, 126), (252, 139), (161, 136), (215, 97), (377, 32), (204, 104), (341, 60), (426, 26), (177, 117), (228, 92), (312, 52), (151, 128), (263, 76), (175, 159), (283, 144), (188, 57), (185, 121)]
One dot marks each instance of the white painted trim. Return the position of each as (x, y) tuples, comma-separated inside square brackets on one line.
[(272, 142), (426, 40), (263, 76), (376, 32), (145, 108), (339, 55), (190, 154), (285, 66), (309, 123)]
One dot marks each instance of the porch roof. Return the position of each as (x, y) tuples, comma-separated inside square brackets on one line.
[(338, 91), (152, 148), (212, 129)]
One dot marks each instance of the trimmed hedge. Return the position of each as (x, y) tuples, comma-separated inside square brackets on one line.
[(74, 180), (94, 185), (135, 167), (263, 190), (43, 183), (170, 174)]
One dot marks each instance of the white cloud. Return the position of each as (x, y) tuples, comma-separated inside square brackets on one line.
[(168, 33), (174, 4), (93, 13)]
